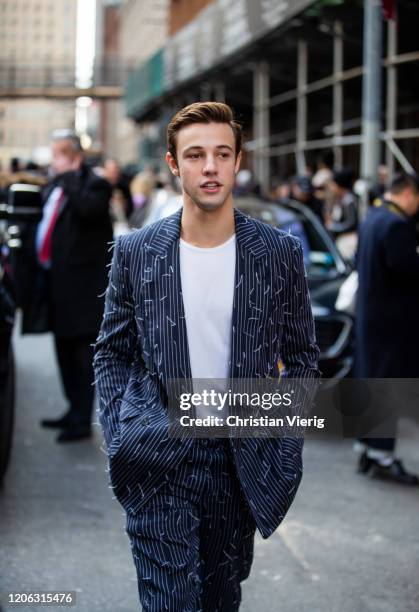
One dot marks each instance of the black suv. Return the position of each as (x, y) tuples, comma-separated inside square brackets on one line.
[(20, 211), (7, 386)]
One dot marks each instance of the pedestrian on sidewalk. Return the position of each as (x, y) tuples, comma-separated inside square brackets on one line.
[(386, 323), (72, 244), (204, 293)]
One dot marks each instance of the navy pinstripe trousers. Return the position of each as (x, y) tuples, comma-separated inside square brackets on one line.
[(192, 544)]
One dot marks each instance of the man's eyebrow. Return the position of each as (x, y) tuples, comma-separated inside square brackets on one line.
[(200, 148)]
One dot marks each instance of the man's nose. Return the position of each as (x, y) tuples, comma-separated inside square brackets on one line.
[(210, 166)]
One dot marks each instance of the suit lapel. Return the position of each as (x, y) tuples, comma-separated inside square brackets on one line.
[(163, 303)]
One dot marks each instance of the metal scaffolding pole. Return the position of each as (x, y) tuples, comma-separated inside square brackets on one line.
[(391, 115), (301, 105), (371, 102), (338, 92), (261, 124)]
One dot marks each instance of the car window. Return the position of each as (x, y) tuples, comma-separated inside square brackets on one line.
[(318, 258)]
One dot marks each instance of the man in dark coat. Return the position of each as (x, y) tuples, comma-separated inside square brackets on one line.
[(387, 330), (72, 244), (302, 191)]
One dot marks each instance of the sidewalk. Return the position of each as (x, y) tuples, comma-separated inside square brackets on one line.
[(349, 543)]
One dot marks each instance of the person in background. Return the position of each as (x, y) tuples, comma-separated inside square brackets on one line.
[(344, 214), (121, 203), (280, 190), (141, 187), (302, 191), (324, 169), (244, 183), (378, 190), (386, 323), (15, 165), (72, 244), (323, 176)]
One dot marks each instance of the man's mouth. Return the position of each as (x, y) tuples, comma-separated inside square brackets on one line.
[(211, 186)]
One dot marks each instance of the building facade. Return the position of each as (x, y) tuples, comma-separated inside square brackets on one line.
[(132, 32), (293, 71), (37, 36)]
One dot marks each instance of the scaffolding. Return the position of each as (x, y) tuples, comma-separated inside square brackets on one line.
[(262, 145), (274, 78)]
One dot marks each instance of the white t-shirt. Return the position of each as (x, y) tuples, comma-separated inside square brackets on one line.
[(207, 276)]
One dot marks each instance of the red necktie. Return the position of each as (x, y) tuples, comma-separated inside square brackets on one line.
[(389, 9), (45, 250)]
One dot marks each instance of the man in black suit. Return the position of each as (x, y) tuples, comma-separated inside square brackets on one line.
[(387, 326), (72, 244)]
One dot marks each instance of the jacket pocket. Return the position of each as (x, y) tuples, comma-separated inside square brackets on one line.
[(129, 410)]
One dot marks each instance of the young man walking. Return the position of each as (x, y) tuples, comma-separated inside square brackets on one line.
[(205, 293)]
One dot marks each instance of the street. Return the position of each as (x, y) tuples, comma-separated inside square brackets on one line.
[(349, 543)]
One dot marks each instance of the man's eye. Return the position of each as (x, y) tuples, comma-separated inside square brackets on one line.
[(224, 155), (194, 155)]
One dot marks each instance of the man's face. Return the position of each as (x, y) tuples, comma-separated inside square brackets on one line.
[(64, 157), (206, 164), (299, 194), (411, 201), (112, 171)]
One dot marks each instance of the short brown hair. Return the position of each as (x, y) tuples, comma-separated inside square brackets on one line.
[(202, 112), (402, 181)]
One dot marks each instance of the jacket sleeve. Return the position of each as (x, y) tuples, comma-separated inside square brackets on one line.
[(115, 348), (88, 196), (401, 249), (299, 352)]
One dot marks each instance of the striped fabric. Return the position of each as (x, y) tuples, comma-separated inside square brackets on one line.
[(143, 344), (192, 543)]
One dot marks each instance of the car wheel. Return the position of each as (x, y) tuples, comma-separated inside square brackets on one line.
[(7, 402)]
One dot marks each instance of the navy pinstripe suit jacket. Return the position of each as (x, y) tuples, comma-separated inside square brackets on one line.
[(143, 344)]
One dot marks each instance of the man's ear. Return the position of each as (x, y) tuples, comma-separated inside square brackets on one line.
[(171, 162), (238, 162)]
